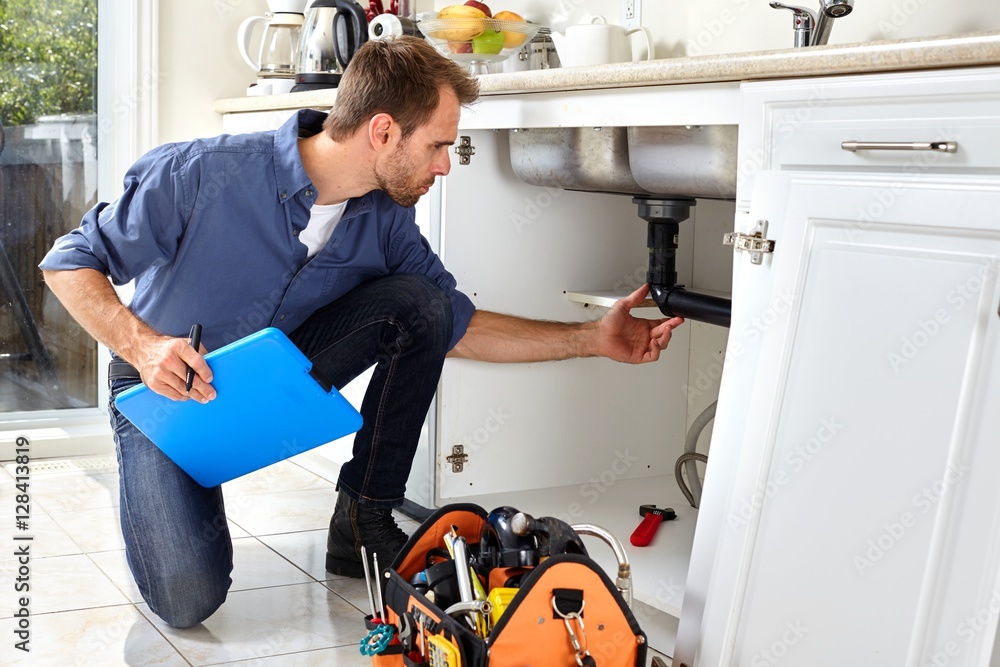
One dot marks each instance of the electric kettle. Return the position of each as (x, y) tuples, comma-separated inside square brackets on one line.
[(332, 33), (274, 56)]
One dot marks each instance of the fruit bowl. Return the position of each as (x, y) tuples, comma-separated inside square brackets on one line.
[(477, 42)]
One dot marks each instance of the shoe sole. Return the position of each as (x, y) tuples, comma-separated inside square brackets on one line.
[(344, 568)]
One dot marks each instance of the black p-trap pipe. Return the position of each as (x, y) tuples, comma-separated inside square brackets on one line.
[(663, 217)]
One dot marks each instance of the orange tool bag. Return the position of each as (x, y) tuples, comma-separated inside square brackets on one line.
[(532, 597)]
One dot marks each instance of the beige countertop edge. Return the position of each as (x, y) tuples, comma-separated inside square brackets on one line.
[(970, 50)]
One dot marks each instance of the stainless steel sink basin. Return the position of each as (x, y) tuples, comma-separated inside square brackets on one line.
[(574, 158), (692, 160), (684, 161)]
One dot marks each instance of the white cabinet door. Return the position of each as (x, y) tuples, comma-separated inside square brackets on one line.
[(852, 512)]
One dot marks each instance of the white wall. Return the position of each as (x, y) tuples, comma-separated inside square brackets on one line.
[(199, 61)]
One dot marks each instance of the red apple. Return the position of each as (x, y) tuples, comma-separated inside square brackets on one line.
[(480, 6), (460, 47)]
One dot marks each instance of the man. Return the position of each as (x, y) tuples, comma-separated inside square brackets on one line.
[(309, 229)]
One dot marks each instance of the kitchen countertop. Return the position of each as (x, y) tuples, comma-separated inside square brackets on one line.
[(974, 49)]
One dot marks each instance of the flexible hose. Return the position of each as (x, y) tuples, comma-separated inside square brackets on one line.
[(690, 447), (690, 457)]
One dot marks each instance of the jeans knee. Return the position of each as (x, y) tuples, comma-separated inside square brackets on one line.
[(185, 596), (187, 610), (429, 314)]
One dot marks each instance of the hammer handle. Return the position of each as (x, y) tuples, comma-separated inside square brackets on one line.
[(643, 535)]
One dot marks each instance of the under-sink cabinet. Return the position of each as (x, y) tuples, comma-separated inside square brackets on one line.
[(585, 440)]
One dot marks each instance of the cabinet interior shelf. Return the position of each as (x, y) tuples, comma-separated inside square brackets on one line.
[(659, 571), (603, 298), (608, 298)]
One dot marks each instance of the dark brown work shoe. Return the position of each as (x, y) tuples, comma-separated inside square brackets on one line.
[(352, 526)]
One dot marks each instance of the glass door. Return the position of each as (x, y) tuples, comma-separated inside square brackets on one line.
[(48, 180)]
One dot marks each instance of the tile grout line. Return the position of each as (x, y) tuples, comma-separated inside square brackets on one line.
[(160, 632), (147, 619), (287, 559)]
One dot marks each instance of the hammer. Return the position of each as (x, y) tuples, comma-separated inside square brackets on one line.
[(652, 516)]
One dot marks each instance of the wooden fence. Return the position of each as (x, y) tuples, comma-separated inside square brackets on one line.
[(43, 195)]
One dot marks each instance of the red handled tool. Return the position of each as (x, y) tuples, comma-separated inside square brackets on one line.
[(652, 517)]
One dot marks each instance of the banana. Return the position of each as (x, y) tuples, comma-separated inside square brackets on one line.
[(461, 12), (467, 23)]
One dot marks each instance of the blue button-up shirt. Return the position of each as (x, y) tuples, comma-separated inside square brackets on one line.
[(209, 229)]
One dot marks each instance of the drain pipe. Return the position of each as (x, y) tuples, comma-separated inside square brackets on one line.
[(664, 217)]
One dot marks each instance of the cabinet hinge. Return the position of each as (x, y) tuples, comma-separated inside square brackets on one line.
[(465, 150), (458, 458), (755, 243)]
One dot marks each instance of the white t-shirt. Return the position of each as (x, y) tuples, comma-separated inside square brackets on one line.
[(323, 220)]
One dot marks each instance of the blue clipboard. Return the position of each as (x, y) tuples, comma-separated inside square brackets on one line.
[(270, 405)]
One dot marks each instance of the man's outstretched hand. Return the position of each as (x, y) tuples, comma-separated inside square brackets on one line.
[(631, 339)]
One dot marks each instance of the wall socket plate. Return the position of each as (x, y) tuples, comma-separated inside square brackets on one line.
[(631, 13)]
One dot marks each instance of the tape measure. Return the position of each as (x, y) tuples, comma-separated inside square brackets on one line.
[(442, 653)]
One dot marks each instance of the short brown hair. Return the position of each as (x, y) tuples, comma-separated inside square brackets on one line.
[(401, 77)]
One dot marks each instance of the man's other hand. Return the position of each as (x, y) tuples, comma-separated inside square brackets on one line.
[(630, 339), (163, 368)]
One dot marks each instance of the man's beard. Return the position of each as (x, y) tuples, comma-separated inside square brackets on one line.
[(394, 181)]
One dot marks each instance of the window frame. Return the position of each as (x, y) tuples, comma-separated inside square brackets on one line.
[(127, 102)]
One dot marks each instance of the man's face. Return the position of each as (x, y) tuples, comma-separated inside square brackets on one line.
[(408, 172)]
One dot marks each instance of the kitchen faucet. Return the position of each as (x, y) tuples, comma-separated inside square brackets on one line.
[(813, 29)]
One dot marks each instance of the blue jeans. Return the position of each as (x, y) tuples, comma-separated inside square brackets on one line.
[(177, 541)]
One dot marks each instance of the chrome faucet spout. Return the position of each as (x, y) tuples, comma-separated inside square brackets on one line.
[(828, 11)]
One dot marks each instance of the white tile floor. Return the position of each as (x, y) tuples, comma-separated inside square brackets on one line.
[(283, 608)]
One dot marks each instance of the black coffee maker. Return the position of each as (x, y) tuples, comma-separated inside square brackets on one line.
[(331, 34)]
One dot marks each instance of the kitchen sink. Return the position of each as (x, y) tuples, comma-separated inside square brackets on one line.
[(690, 160), (574, 158), (676, 161)]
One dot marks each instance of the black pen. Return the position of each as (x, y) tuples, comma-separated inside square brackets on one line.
[(195, 340)]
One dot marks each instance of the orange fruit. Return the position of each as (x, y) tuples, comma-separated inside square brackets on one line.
[(511, 39)]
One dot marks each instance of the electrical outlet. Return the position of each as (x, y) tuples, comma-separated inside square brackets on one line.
[(631, 13)]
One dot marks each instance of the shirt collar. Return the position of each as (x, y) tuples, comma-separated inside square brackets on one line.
[(290, 174)]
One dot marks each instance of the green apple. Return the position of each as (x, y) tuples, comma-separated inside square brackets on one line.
[(490, 42)]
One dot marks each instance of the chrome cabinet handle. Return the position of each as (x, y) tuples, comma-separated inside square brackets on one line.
[(940, 146)]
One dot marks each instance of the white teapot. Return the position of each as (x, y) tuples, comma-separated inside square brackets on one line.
[(598, 43)]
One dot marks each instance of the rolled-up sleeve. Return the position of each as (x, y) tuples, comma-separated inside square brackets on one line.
[(139, 230), (409, 252)]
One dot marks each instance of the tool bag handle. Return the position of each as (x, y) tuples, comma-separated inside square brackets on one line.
[(468, 517)]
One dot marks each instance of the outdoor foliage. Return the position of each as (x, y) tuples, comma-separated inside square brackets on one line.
[(48, 58)]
